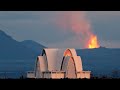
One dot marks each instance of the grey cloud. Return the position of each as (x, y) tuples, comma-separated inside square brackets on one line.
[(106, 24), (34, 29)]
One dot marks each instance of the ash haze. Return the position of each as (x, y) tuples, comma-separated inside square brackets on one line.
[(63, 28)]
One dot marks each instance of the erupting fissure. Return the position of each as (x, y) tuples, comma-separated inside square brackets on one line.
[(93, 42)]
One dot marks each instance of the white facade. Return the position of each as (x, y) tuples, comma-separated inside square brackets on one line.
[(58, 63)]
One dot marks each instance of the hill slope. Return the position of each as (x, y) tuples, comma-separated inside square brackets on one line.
[(12, 49), (36, 47), (100, 61)]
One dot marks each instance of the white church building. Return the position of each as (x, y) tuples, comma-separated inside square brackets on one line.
[(58, 63)]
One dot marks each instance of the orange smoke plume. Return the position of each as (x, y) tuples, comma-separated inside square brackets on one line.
[(77, 23)]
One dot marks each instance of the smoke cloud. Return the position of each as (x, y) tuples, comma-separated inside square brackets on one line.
[(77, 23)]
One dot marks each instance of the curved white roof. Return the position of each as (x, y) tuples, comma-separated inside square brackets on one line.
[(43, 63), (77, 61), (55, 56)]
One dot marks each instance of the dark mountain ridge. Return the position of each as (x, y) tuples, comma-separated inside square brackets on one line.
[(12, 49), (100, 60)]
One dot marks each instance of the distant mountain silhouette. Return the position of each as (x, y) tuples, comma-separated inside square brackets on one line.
[(101, 60), (36, 47), (12, 49)]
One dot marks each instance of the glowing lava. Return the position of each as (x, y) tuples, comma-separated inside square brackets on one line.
[(77, 23), (93, 42)]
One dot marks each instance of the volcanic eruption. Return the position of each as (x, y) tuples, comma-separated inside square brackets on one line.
[(77, 23), (93, 42)]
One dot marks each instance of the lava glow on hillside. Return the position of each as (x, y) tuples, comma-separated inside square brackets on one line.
[(93, 42)]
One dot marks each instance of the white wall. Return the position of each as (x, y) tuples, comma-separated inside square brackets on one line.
[(57, 75), (83, 74), (30, 75)]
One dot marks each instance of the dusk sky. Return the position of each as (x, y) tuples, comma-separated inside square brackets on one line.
[(63, 29)]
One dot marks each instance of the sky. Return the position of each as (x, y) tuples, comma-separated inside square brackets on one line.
[(63, 29)]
